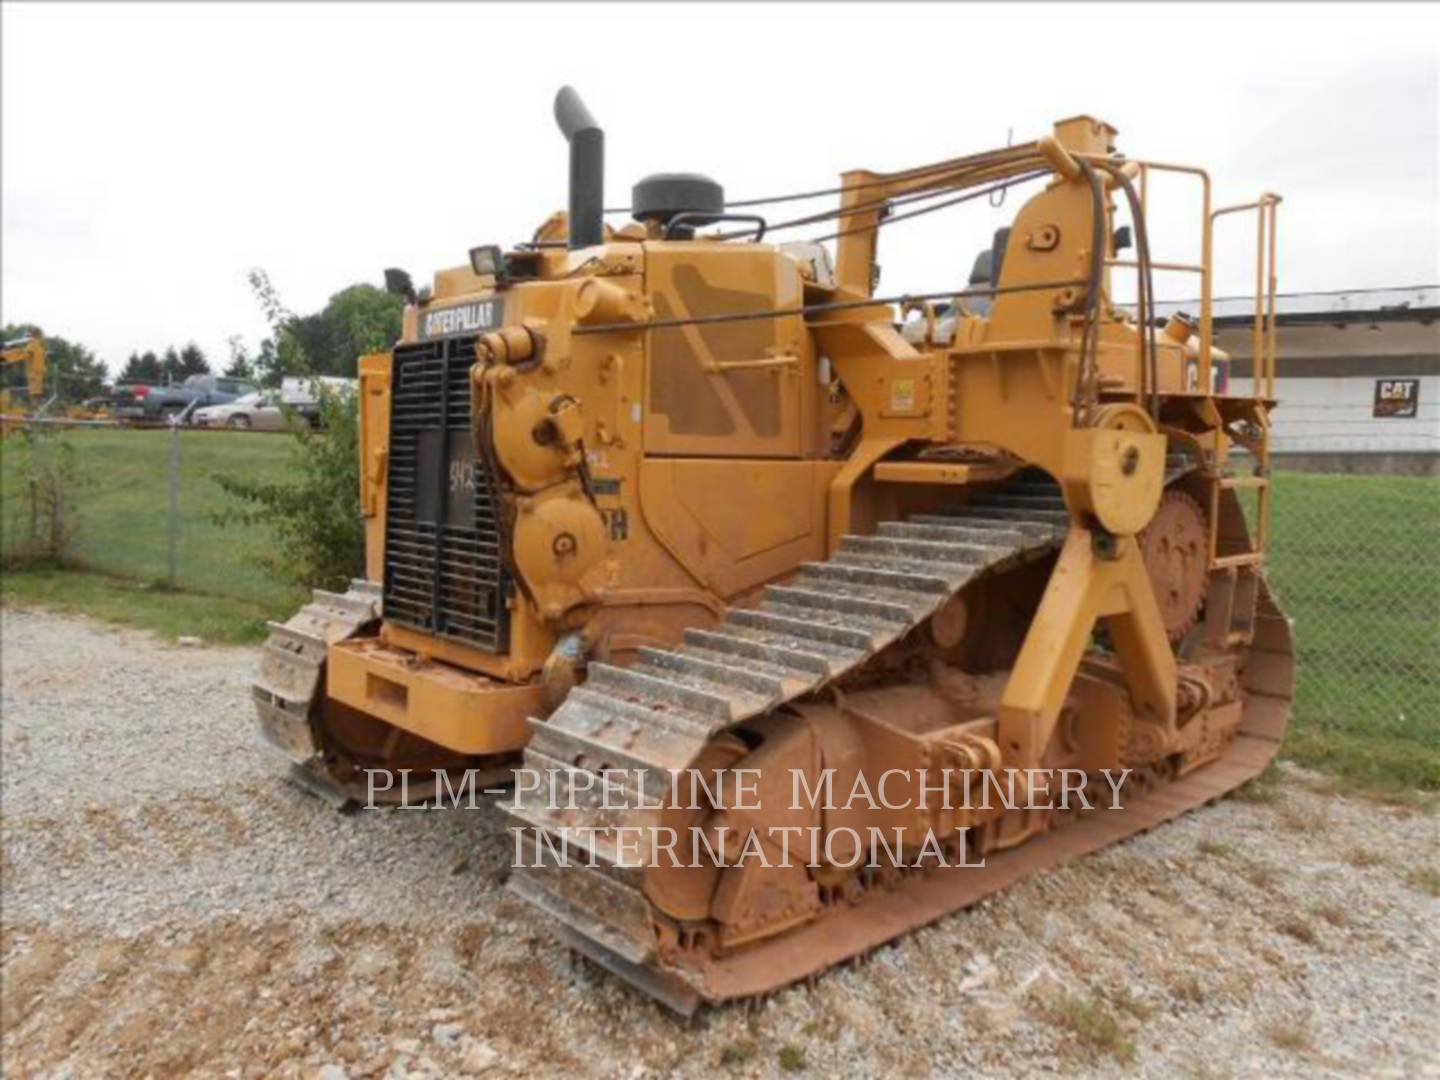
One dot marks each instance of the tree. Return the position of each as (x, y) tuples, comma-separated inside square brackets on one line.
[(193, 361), (308, 340), (267, 364), (240, 366), (171, 364), (356, 320), (283, 354), (72, 372), (144, 368), (361, 319), (141, 369)]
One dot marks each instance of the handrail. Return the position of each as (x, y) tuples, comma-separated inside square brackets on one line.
[(1262, 356), (1262, 336), (1203, 267), (1207, 248), (1192, 268)]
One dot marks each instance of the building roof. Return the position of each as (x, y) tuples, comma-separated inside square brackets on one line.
[(1413, 303)]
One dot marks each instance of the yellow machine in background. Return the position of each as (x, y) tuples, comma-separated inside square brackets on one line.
[(30, 352), (648, 502)]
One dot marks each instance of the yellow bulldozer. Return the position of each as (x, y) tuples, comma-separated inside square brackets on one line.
[(675, 521)]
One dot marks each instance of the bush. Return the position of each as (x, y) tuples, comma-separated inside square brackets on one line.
[(43, 521), (315, 513)]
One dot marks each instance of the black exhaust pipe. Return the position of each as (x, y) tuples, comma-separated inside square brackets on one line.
[(587, 168)]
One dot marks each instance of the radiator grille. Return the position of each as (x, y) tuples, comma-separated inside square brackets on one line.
[(443, 572)]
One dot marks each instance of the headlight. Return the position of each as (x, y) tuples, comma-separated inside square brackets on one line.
[(489, 261)]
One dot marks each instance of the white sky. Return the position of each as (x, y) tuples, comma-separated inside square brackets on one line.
[(153, 154)]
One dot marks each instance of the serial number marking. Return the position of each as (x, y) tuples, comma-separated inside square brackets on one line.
[(462, 477)]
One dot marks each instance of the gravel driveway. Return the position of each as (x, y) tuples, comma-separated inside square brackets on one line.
[(171, 904)]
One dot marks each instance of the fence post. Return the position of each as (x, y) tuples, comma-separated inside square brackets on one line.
[(31, 436), (174, 537)]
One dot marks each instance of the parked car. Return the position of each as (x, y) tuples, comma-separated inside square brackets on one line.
[(160, 402), (296, 403), (261, 411), (302, 393)]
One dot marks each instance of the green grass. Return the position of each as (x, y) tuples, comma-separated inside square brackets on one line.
[(791, 1058), (1094, 1027), (122, 509), (219, 619), (1355, 561)]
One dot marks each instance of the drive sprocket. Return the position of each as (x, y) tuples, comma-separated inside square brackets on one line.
[(1173, 547)]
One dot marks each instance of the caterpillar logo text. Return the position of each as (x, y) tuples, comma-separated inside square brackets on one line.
[(462, 319)]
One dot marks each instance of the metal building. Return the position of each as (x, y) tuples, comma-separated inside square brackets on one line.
[(1357, 375)]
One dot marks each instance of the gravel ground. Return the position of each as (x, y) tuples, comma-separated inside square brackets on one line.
[(171, 904)]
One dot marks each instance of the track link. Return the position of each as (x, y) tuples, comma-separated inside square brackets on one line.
[(826, 621), (291, 680)]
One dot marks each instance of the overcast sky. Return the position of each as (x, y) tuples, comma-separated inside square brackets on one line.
[(153, 154)]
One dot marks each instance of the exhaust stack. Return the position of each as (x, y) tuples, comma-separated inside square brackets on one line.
[(587, 168)]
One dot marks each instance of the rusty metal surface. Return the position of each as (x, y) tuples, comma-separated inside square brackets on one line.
[(1173, 546), (826, 621), (662, 712)]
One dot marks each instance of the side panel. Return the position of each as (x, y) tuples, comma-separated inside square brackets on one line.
[(724, 389), (374, 406), (733, 524)]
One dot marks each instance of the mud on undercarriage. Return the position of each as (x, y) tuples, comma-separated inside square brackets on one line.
[(817, 672)]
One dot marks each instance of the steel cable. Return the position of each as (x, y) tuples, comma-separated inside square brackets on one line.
[(1145, 301), (967, 197), (957, 164), (865, 207)]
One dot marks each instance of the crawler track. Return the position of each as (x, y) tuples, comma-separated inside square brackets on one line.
[(291, 681), (660, 714)]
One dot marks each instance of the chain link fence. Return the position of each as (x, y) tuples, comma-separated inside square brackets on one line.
[(142, 505), (1355, 561)]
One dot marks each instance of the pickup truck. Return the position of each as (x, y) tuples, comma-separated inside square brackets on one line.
[(162, 402)]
